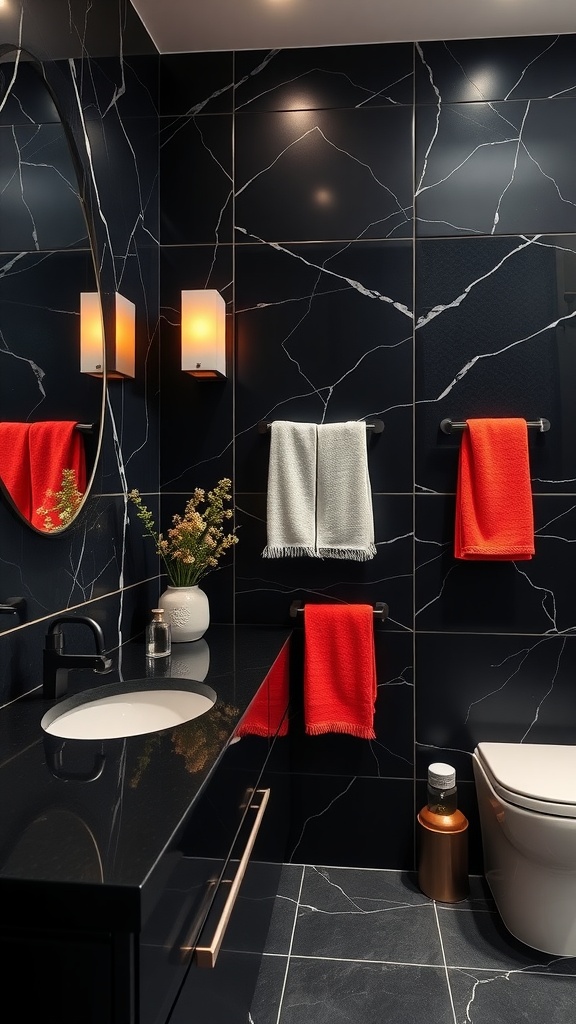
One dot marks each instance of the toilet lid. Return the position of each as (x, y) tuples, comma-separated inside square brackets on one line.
[(538, 776)]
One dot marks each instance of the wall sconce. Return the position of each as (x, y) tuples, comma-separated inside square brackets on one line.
[(119, 315), (203, 334)]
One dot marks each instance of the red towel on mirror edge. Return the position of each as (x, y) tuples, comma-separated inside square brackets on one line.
[(55, 445), (266, 715), (494, 512), (339, 669), (15, 465)]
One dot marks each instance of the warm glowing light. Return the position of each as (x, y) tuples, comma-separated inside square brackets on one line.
[(204, 334), (120, 315), (324, 197)]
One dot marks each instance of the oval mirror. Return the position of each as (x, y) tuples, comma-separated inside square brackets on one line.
[(51, 414)]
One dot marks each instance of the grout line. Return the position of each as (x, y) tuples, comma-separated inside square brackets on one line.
[(531, 970), (445, 964), (281, 1000)]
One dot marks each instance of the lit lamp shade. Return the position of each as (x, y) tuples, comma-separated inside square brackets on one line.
[(120, 316), (204, 334)]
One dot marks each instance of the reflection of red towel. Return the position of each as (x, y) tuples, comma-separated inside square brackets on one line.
[(55, 445), (14, 465), (339, 669), (265, 715), (494, 515)]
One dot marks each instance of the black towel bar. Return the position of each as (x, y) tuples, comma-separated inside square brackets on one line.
[(380, 610), (449, 426), (375, 427)]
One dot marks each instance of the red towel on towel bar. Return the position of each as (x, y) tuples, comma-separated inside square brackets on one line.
[(14, 465), (339, 669), (266, 713), (55, 445), (494, 515)]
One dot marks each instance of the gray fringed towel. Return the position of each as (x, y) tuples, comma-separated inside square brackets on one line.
[(291, 498), (319, 501), (344, 517)]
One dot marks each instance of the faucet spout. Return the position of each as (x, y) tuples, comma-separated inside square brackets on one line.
[(57, 664)]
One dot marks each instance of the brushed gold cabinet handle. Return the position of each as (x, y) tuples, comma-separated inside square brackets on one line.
[(207, 949)]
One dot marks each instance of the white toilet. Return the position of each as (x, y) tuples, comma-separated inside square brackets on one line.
[(527, 802)]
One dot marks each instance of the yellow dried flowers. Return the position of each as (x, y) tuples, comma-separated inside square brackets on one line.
[(196, 540)]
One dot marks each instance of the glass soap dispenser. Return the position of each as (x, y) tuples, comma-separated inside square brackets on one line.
[(442, 839), (158, 636)]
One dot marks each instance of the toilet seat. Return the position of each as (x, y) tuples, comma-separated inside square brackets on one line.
[(537, 776)]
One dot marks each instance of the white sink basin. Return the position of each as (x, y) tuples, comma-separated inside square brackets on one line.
[(128, 709)]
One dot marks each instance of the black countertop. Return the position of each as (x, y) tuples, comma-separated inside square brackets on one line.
[(78, 847)]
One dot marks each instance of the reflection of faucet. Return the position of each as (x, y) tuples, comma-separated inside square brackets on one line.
[(57, 664), (13, 606)]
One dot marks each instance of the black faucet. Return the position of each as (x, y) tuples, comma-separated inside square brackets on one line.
[(57, 664)]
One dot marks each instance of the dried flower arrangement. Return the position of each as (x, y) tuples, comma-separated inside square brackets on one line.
[(196, 540)]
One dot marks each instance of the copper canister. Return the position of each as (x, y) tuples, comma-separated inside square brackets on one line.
[(443, 855)]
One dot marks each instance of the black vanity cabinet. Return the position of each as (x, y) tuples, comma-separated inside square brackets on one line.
[(219, 898), (110, 881)]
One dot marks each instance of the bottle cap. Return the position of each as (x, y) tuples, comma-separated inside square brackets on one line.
[(441, 776), (157, 611)]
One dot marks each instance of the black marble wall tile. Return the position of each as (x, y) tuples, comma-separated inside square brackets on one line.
[(196, 179), (125, 151), (341, 174), (127, 87), (532, 596), (76, 29), (494, 338), (266, 587), (473, 70), (202, 85), (505, 688), (495, 168), (313, 78), (24, 100), (355, 822), (35, 161), (40, 325), (324, 334)]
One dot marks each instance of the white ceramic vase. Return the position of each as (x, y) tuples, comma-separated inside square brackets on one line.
[(187, 610)]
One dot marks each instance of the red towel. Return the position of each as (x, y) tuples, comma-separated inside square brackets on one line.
[(339, 669), (14, 465), (54, 445), (494, 514), (265, 715)]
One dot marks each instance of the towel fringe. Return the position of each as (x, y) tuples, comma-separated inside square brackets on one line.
[(351, 728), (288, 551), (354, 554)]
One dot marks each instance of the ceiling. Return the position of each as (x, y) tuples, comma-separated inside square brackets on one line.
[(184, 26)]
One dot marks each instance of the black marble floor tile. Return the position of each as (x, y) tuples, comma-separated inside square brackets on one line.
[(327, 991), (253, 905), (365, 915), (269, 987), (479, 939), (509, 997)]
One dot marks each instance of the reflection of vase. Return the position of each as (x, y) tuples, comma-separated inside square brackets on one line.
[(188, 612), (191, 662)]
